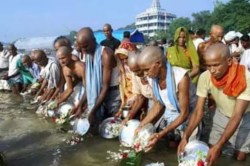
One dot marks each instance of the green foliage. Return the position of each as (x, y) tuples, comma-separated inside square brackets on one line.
[(202, 20), (179, 22), (130, 26), (233, 15)]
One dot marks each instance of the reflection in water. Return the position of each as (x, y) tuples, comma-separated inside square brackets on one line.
[(29, 140)]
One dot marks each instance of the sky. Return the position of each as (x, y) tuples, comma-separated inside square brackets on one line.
[(40, 18)]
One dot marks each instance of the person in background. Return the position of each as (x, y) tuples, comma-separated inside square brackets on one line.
[(126, 43), (199, 37), (216, 36), (4, 59), (64, 41), (33, 68), (245, 57), (27, 77), (13, 77), (110, 41), (229, 84), (183, 54), (230, 40), (191, 34)]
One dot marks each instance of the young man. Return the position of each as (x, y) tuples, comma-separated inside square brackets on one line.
[(110, 41), (229, 85)]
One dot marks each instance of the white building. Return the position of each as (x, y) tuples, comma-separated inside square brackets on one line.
[(153, 19)]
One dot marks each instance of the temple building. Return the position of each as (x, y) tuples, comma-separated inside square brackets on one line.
[(154, 19)]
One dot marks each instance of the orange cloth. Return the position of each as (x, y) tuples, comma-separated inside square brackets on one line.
[(233, 82), (128, 46)]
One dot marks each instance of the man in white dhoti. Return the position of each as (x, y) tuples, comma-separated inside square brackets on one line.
[(50, 73)]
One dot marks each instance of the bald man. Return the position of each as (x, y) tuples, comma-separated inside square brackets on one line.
[(74, 75), (229, 84), (140, 88), (50, 72), (64, 41), (33, 68), (110, 41), (27, 77), (14, 78), (102, 89), (171, 89), (216, 36)]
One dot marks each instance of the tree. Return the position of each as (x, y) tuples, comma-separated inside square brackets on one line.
[(179, 22), (202, 20), (233, 15)]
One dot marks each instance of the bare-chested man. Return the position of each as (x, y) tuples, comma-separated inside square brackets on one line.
[(74, 75), (100, 69), (216, 35)]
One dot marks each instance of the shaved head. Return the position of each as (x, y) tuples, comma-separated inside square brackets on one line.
[(64, 51), (218, 60), (25, 57), (26, 60), (108, 26), (132, 60), (217, 33), (40, 58), (150, 55), (85, 34), (218, 49), (86, 40)]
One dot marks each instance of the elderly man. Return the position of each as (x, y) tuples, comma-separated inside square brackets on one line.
[(110, 41), (33, 68), (50, 73), (27, 77), (14, 78), (74, 75), (216, 35), (102, 90), (229, 84), (171, 89), (140, 87)]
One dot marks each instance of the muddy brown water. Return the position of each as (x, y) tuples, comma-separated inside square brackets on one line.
[(29, 140)]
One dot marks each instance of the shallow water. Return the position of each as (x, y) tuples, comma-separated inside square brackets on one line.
[(29, 140)]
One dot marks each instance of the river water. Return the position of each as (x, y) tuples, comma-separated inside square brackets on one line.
[(29, 140)]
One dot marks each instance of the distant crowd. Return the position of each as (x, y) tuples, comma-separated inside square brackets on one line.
[(166, 84)]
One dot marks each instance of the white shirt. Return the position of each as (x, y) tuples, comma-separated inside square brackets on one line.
[(4, 59), (197, 41), (13, 64), (245, 59)]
